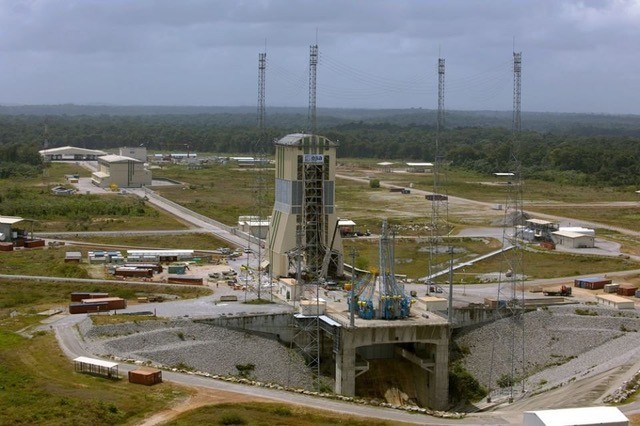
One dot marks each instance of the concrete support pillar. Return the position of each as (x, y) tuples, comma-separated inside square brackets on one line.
[(439, 379), (345, 383)]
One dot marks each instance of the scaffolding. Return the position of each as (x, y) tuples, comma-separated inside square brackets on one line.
[(392, 303)]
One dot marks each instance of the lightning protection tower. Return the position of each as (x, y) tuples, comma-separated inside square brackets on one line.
[(259, 154), (508, 349), (313, 65), (439, 198)]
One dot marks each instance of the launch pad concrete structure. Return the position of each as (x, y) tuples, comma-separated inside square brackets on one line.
[(367, 356), (420, 343)]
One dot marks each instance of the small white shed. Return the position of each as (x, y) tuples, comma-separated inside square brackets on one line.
[(583, 416), (573, 239), (615, 301)]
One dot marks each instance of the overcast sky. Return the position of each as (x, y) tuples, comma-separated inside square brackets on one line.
[(578, 56)]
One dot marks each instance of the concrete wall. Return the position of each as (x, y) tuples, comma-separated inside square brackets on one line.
[(277, 326), (431, 348)]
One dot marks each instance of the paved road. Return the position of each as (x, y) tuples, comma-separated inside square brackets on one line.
[(71, 344)]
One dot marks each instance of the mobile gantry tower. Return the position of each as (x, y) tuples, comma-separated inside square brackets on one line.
[(304, 220)]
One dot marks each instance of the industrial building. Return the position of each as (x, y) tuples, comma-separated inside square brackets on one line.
[(615, 301), (8, 232), (139, 153), (539, 230), (581, 416), (71, 153), (572, 239), (11, 236), (254, 225), (123, 172), (304, 220), (419, 167)]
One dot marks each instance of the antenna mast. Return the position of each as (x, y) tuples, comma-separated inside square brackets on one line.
[(313, 64), (260, 158), (439, 198), (509, 357)]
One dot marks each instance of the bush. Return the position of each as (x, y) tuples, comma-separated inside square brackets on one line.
[(586, 312), (245, 370), (506, 381), (463, 387), (374, 183), (232, 419)]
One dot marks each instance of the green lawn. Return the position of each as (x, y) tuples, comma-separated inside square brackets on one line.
[(38, 385), (46, 212), (268, 414), (539, 264), (222, 192), (26, 298), (195, 241), (412, 255)]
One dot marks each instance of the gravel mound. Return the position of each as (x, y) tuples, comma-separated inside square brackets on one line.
[(560, 345), (202, 347)]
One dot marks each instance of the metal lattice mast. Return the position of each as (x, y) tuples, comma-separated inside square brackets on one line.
[(508, 351), (312, 228), (260, 156), (439, 201), (517, 74), (262, 66), (313, 64)]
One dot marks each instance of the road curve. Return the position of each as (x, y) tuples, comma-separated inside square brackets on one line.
[(71, 344)]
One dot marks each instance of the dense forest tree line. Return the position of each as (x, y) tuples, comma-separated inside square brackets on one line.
[(600, 153)]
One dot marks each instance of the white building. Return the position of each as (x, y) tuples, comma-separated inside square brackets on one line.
[(254, 225), (607, 416), (419, 167), (573, 239), (71, 153), (615, 301), (124, 172), (138, 152)]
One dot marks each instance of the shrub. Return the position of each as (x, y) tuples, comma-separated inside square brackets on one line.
[(586, 312), (374, 183), (463, 387), (245, 370), (232, 419)]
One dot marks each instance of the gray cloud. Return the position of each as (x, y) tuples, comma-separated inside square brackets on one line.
[(577, 56)]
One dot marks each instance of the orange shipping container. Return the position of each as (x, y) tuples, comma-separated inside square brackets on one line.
[(145, 376)]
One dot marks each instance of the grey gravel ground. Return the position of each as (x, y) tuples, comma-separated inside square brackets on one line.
[(560, 345), (201, 347)]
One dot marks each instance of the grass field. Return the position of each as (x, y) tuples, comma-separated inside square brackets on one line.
[(540, 264), (268, 414), (195, 241), (223, 192), (26, 298), (46, 212), (38, 386), (412, 255), (627, 217)]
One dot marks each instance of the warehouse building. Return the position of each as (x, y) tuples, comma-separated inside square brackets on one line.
[(71, 153), (615, 301), (138, 152), (123, 172), (572, 239), (419, 167)]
